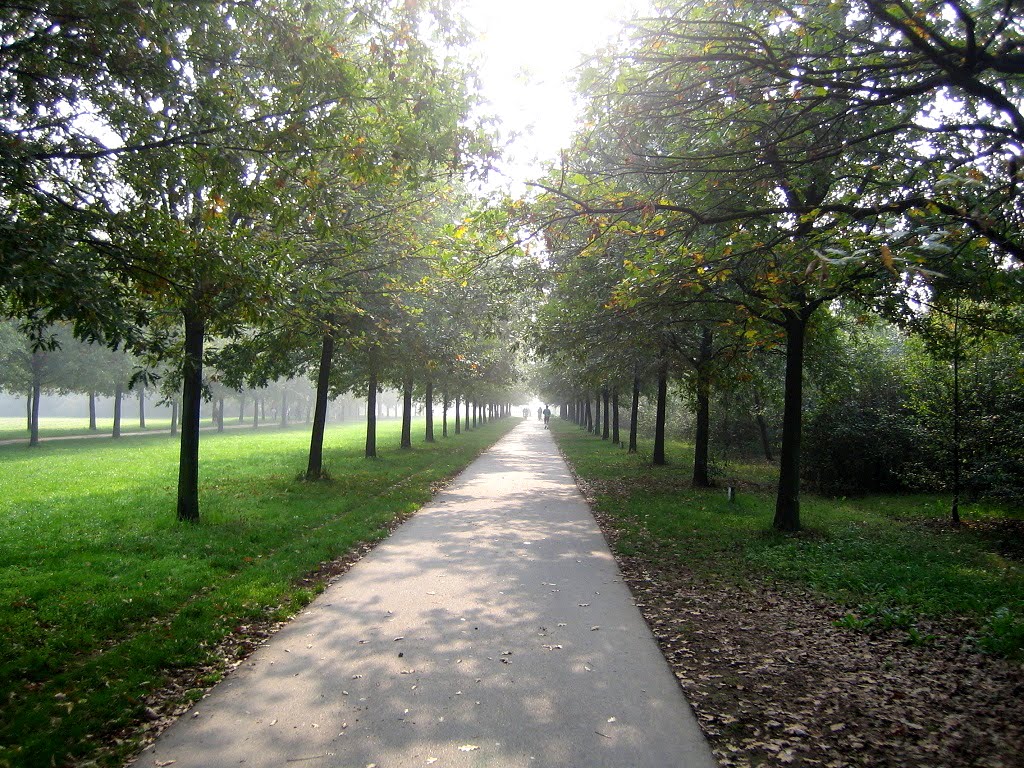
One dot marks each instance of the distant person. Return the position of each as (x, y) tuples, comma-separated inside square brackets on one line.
[(526, 413), (547, 417), (540, 412)]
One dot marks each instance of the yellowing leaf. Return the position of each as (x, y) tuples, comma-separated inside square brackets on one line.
[(887, 260)]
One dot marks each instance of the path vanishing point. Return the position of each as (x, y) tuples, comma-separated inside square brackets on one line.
[(492, 629)]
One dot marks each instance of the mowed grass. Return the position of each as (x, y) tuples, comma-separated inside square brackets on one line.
[(103, 594), (889, 558), (16, 427)]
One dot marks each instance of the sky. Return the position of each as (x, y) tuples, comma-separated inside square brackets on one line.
[(528, 51)]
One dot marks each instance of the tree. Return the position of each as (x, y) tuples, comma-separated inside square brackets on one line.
[(170, 174), (772, 192)]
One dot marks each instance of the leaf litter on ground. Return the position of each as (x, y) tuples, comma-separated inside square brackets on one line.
[(774, 681)]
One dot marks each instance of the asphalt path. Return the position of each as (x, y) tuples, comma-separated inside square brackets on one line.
[(492, 629)]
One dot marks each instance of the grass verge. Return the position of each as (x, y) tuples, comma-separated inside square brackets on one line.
[(104, 598), (14, 427), (888, 558)]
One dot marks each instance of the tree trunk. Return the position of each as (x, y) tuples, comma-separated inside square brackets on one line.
[(615, 416), (33, 431), (314, 469), (787, 503), (458, 420), (118, 392), (429, 400), (371, 414), (659, 419), (220, 415), (92, 411), (634, 414), (588, 416), (142, 408), (605, 432), (284, 407), (597, 413), (444, 414), (407, 412), (256, 412), (241, 408), (192, 399), (701, 477), (954, 510)]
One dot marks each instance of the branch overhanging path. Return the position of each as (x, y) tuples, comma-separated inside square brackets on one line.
[(491, 629)]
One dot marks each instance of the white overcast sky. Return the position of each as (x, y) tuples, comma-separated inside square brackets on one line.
[(528, 50)]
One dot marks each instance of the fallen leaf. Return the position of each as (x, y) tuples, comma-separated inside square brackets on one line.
[(468, 748)]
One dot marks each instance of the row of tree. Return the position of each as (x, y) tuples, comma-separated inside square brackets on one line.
[(243, 192), (96, 372), (749, 171)]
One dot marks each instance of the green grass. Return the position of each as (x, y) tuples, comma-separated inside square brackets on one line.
[(103, 594), (15, 428), (889, 558)]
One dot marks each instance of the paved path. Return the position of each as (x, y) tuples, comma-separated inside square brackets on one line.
[(492, 629)]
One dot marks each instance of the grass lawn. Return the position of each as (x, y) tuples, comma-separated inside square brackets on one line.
[(889, 558), (103, 595), (15, 428)]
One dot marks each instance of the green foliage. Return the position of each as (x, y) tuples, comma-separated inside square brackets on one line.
[(881, 555), (989, 399), (103, 596), (859, 433), (1003, 632)]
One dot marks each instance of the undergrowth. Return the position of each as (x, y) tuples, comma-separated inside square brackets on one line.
[(891, 559)]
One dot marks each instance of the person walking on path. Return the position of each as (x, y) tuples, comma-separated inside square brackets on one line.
[(492, 629), (547, 416)]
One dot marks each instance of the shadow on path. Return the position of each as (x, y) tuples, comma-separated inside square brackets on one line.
[(493, 629)]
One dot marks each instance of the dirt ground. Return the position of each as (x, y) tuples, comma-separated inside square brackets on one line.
[(774, 681)]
